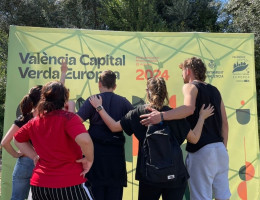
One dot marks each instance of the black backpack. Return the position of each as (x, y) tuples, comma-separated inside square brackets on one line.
[(161, 158)]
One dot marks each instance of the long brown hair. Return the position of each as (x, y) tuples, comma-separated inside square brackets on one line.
[(53, 97), (157, 92), (30, 101)]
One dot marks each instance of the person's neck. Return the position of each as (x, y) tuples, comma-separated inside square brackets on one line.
[(102, 90), (193, 79)]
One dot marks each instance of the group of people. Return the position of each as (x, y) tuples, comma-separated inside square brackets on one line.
[(59, 159)]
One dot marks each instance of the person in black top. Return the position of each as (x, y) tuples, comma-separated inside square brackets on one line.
[(157, 96), (108, 173), (207, 161), (24, 165)]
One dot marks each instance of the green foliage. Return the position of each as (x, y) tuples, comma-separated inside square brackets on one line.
[(3, 64), (244, 17), (161, 15), (126, 15), (187, 15)]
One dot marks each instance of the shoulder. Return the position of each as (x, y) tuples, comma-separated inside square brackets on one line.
[(120, 97), (22, 120), (139, 110), (214, 88), (64, 114), (166, 108), (189, 88)]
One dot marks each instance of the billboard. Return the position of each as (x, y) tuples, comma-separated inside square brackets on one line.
[(35, 55)]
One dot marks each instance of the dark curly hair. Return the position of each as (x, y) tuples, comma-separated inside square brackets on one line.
[(30, 101), (157, 92), (53, 97), (197, 66)]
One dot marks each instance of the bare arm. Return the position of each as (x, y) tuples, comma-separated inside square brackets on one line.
[(70, 105), (6, 142), (224, 124), (190, 93), (63, 69), (87, 148), (26, 148), (194, 135), (109, 121)]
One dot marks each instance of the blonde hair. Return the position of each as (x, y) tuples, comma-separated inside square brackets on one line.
[(157, 92)]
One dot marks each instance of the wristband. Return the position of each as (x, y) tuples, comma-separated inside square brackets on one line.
[(161, 116)]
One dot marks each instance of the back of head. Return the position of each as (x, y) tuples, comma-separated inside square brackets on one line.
[(35, 94), (53, 97), (30, 101), (157, 92), (197, 66), (108, 79)]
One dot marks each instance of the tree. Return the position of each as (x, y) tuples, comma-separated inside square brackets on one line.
[(127, 15), (3, 64), (190, 15), (244, 17), (44, 13)]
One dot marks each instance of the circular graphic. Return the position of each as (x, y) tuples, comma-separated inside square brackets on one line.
[(242, 102), (242, 190), (247, 172)]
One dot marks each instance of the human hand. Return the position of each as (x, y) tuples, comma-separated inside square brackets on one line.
[(95, 101), (64, 67), (86, 164), (19, 154), (152, 118), (205, 113)]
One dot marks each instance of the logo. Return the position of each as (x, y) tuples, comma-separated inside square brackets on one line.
[(213, 73), (241, 72), (240, 67), (169, 177), (212, 64)]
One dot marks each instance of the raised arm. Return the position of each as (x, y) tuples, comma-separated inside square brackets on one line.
[(87, 148), (63, 69), (190, 93), (109, 121), (194, 135), (70, 105), (6, 142)]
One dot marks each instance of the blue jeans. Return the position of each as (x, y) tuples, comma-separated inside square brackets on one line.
[(21, 178)]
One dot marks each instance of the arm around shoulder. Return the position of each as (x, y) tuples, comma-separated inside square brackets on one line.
[(194, 135), (109, 121), (190, 94)]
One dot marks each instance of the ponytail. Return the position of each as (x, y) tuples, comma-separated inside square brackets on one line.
[(157, 92), (26, 106)]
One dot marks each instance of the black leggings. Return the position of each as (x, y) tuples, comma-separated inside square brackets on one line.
[(151, 192)]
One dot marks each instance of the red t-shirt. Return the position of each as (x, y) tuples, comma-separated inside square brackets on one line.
[(53, 137)]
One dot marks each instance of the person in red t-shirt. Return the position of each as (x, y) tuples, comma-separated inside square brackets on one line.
[(59, 139)]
